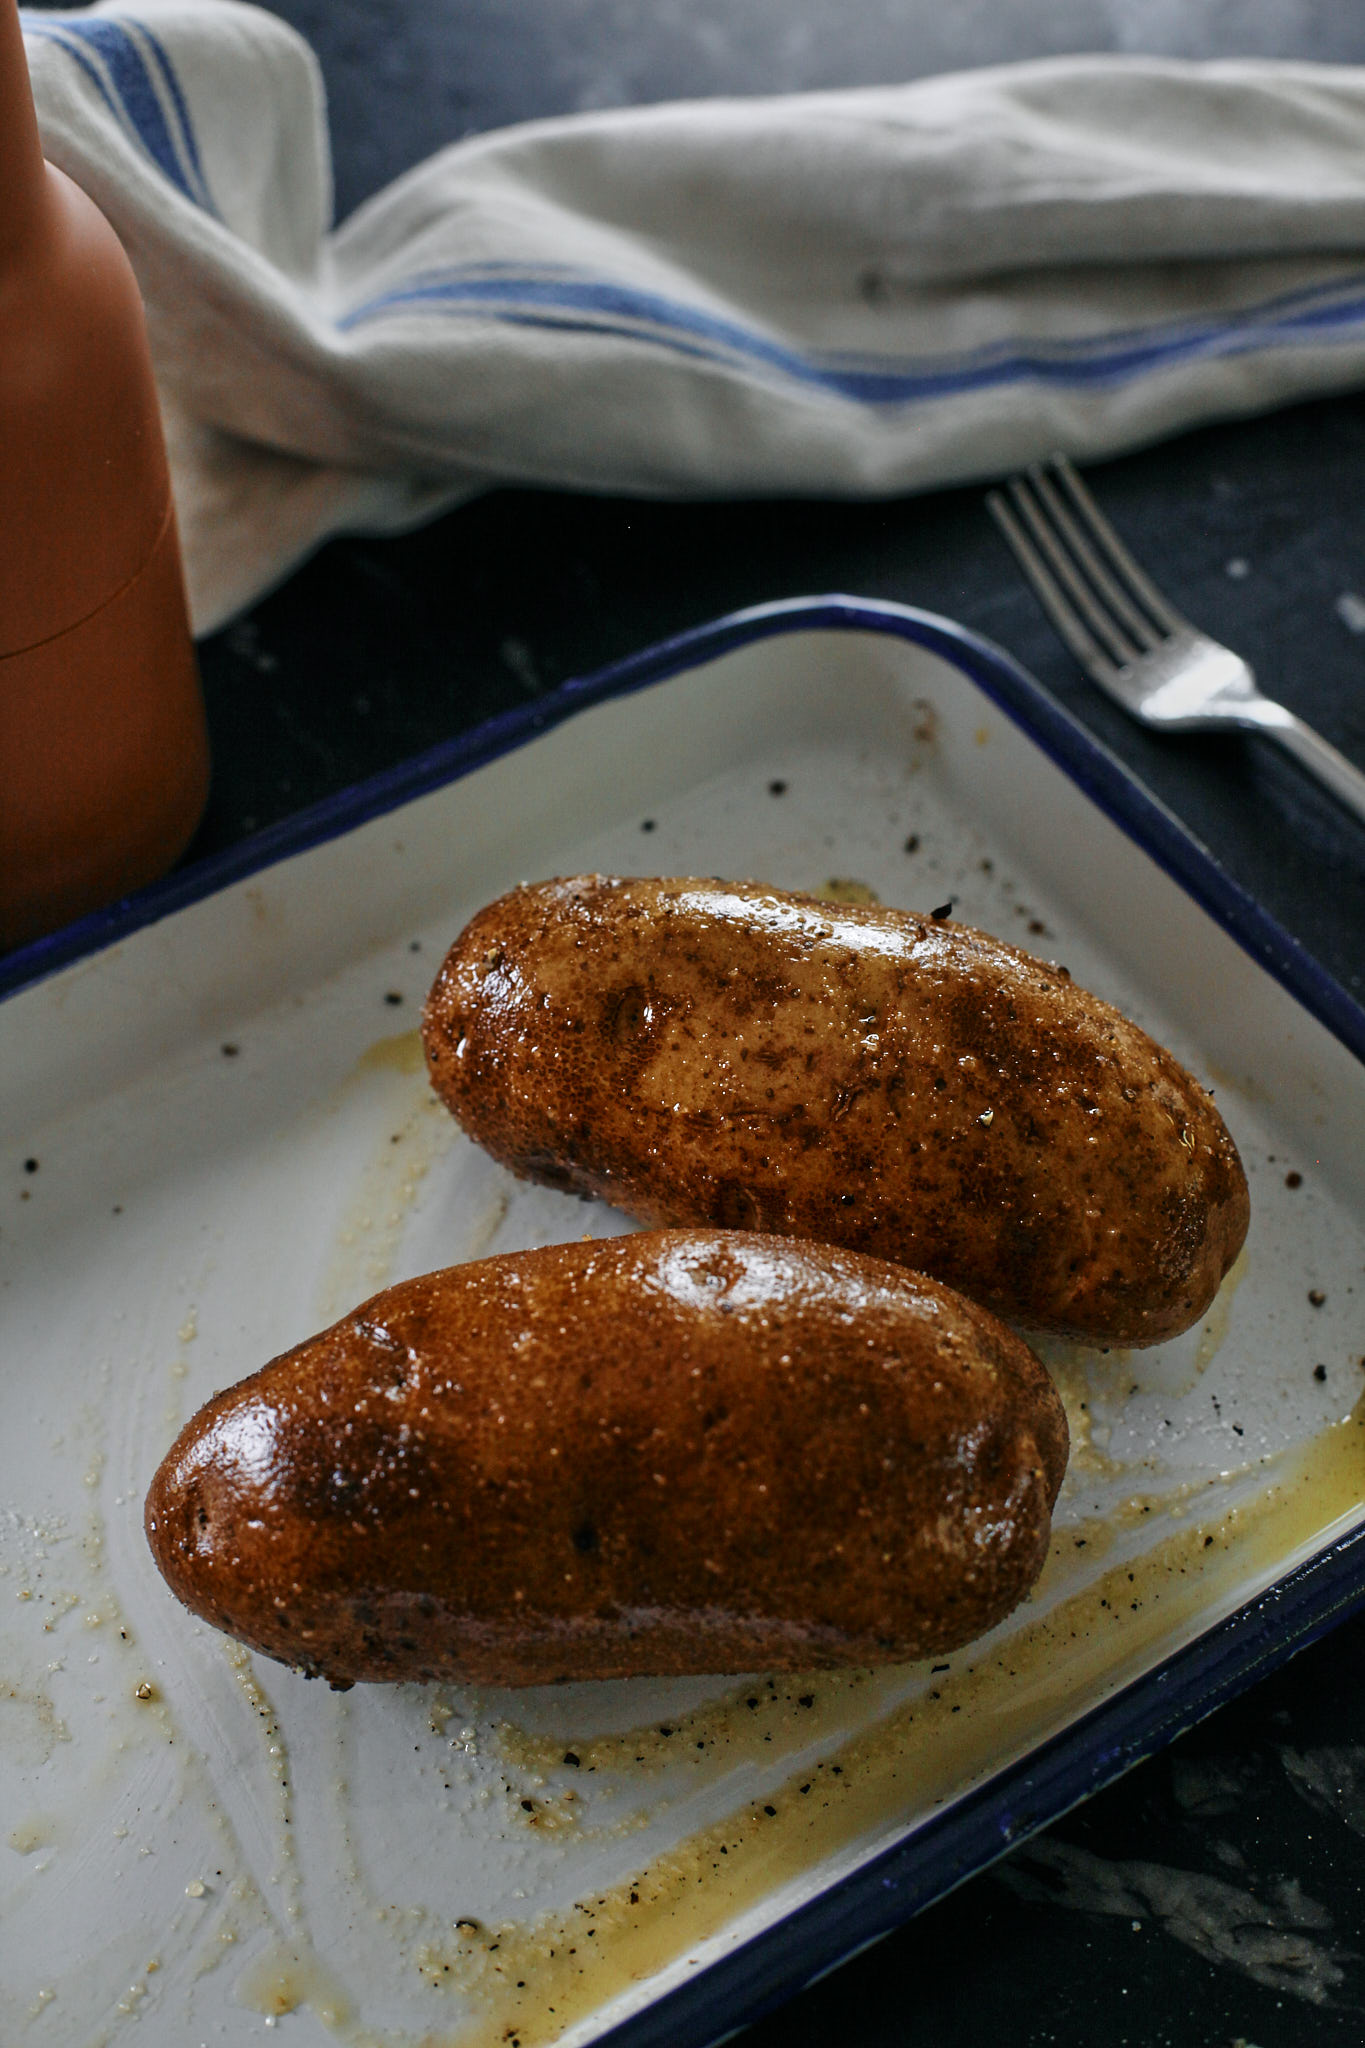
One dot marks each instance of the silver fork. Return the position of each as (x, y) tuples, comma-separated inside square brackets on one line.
[(1126, 636)]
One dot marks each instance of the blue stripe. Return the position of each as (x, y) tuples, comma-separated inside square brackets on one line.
[(33, 26), (134, 98), (189, 140), (587, 305)]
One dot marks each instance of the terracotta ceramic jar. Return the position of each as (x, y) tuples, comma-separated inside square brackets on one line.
[(103, 751)]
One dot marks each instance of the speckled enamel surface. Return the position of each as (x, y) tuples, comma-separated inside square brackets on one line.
[(718, 1052), (673, 1452)]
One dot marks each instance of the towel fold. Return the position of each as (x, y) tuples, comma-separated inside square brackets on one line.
[(849, 293)]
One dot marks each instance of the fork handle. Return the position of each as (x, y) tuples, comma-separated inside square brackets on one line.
[(1313, 752)]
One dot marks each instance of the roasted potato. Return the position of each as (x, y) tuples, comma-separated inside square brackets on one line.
[(682, 1451), (717, 1052)]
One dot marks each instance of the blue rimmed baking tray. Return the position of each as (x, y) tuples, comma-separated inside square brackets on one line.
[(216, 1084)]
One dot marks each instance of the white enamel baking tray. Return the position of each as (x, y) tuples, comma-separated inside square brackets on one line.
[(217, 1137)]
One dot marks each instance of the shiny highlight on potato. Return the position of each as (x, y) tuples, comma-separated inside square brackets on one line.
[(680, 1451), (707, 1052)]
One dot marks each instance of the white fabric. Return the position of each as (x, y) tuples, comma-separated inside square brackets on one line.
[(842, 293)]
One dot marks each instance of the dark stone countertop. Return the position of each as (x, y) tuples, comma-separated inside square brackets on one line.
[(1213, 1896)]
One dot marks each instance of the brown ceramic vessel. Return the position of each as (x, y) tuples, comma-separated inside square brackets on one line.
[(103, 749)]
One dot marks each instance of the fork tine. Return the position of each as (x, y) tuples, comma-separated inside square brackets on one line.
[(1118, 558), (1088, 558), (1106, 629), (1047, 590)]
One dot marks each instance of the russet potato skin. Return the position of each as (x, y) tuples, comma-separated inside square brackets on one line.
[(719, 1052), (679, 1451)]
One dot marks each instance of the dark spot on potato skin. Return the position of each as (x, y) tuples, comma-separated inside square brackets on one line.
[(999, 1127), (717, 1398), (626, 1016), (737, 1207)]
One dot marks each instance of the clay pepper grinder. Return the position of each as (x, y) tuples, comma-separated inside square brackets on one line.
[(103, 751)]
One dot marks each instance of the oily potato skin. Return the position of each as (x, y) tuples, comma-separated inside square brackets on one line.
[(681, 1451), (719, 1052)]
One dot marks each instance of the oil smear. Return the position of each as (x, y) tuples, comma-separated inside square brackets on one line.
[(1214, 1329), (1086, 1380), (288, 1973), (173, 1415), (787, 1713), (37, 1832), (982, 1708), (1094, 1384), (284, 1978), (285, 1876), (129, 1762), (847, 889), (413, 1132)]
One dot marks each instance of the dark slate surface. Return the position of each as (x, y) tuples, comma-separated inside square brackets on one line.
[(406, 76), (1213, 1897), (379, 648)]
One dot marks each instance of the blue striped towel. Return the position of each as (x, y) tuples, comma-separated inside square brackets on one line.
[(841, 293)]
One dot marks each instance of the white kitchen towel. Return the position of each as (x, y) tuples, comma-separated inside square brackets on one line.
[(840, 293)]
